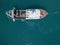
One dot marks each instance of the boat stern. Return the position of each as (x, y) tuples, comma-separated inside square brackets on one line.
[(10, 14)]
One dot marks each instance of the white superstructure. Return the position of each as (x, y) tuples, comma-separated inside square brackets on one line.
[(33, 14)]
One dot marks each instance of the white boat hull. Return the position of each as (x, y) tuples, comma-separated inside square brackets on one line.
[(27, 14)]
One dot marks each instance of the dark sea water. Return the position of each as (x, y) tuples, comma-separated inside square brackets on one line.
[(34, 32)]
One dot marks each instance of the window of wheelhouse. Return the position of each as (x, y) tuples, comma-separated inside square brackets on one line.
[(19, 14)]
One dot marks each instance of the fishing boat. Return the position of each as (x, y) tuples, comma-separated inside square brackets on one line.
[(27, 14)]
